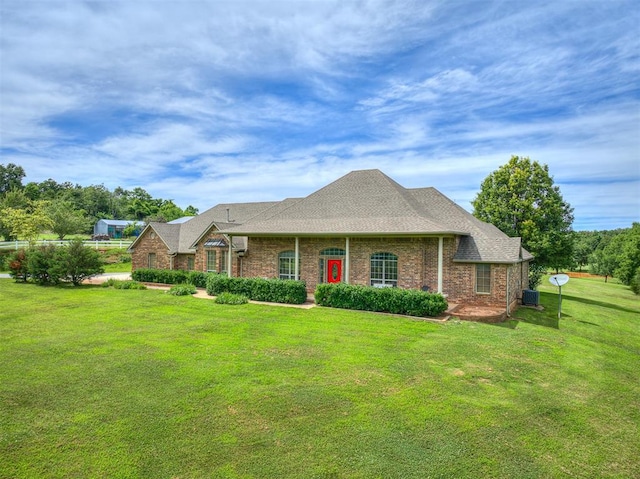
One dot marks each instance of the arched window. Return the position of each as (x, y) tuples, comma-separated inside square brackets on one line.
[(384, 270), (287, 265)]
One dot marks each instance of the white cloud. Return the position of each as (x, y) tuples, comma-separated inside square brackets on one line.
[(233, 101)]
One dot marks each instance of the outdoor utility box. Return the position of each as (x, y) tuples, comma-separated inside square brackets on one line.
[(530, 297)]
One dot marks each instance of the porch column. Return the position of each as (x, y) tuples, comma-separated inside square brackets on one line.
[(230, 258), (440, 254), (347, 263), (297, 260)]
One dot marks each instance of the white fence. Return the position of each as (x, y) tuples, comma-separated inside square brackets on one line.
[(96, 244)]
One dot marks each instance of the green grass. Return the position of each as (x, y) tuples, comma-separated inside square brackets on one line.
[(117, 268), (109, 383)]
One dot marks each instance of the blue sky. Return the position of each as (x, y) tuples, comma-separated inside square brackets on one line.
[(212, 102)]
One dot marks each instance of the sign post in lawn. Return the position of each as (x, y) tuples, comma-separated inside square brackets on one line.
[(558, 280)]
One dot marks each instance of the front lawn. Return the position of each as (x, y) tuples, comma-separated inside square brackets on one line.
[(110, 383)]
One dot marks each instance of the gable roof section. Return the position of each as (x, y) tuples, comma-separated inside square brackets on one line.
[(488, 250), (365, 202), (168, 234), (224, 216), (181, 237)]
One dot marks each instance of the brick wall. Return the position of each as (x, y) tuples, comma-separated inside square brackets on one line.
[(200, 262), (150, 242), (181, 261), (417, 264)]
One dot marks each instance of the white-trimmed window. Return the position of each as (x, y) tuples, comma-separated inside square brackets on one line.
[(483, 278), (223, 261), (211, 261), (151, 260), (384, 270), (191, 262), (287, 265)]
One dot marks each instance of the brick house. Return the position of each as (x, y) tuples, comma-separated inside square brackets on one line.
[(363, 228)]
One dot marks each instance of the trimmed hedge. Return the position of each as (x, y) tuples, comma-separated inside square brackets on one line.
[(171, 276), (198, 278), (258, 289), (411, 302), (164, 276)]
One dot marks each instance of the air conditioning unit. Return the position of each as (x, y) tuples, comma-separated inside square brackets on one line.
[(530, 297)]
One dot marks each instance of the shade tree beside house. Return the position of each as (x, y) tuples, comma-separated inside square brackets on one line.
[(363, 228)]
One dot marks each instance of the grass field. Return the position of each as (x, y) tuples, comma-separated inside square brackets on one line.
[(140, 384)]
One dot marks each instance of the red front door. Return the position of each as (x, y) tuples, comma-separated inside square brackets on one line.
[(334, 270)]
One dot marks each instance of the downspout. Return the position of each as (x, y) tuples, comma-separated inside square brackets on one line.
[(346, 261), (440, 261), (297, 260), (230, 259), (508, 297)]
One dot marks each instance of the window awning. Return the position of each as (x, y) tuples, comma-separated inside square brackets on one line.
[(215, 243)]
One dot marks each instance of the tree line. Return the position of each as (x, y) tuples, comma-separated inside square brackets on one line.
[(614, 253), (520, 198), (65, 208)]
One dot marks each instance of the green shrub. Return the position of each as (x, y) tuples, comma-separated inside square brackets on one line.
[(17, 263), (44, 265), (4, 259), (163, 276), (79, 262), (536, 271), (197, 278), (118, 284), (231, 298), (411, 302), (51, 264), (258, 289), (182, 290)]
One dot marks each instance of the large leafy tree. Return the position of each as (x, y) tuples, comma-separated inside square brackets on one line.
[(27, 222), (10, 177), (521, 199), (629, 261), (14, 199), (65, 220)]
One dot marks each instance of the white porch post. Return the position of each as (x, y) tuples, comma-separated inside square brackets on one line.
[(296, 259), (440, 255), (346, 261), (230, 259)]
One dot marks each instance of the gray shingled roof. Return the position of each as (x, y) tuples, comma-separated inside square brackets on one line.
[(369, 203), (361, 203), (224, 216), (168, 233), (182, 237)]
